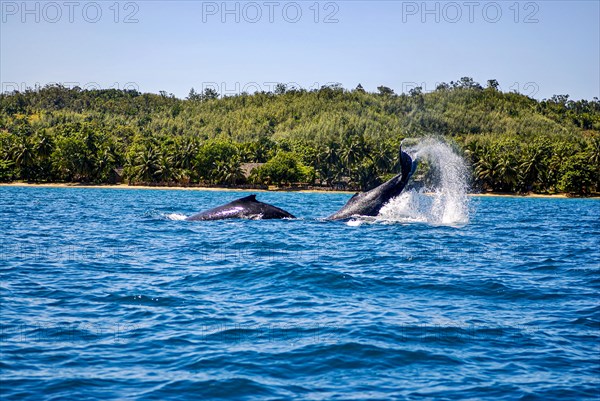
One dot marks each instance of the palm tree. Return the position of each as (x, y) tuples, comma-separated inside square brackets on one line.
[(561, 152), (24, 156), (353, 151), (43, 144), (186, 152), (487, 169), (473, 150), (228, 171), (85, 165), (508, 171), (365, 175), (165, 171), (234, 172), (532, 167), (594, 158), (382, 159), (328, 163), (146, 164), (594, 149), (104, 161)]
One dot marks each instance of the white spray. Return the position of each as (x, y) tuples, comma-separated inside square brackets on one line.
[(444, 200)]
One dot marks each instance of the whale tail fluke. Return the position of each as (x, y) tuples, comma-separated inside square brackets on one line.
[(408, 166)]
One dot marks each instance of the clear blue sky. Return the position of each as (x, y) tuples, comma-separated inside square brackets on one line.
[(540, 48)]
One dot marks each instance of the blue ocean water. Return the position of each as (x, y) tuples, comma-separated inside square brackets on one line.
[(108, 294)]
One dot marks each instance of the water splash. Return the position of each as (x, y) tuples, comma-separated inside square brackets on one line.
[(442, 198), (175, 216)]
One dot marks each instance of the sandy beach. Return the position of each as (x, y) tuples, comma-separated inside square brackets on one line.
[(126, 186)]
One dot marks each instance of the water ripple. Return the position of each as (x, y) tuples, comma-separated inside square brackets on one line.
[(110, 295)]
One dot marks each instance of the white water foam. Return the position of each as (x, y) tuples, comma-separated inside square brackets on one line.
[(175, 216), (444, 200)]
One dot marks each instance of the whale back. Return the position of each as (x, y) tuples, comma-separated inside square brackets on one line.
[(247, 207), (246, 199)]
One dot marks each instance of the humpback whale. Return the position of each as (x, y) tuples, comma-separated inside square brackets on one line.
[(370, 203), (247, 207)]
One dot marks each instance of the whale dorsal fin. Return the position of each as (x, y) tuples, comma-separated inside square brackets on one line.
[(249, 198)]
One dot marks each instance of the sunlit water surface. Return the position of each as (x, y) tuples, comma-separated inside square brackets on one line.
[(109, 294)]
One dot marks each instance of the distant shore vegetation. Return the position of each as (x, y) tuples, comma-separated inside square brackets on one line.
[(325, 138)]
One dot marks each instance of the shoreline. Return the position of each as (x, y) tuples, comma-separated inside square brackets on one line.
[(148, 187)]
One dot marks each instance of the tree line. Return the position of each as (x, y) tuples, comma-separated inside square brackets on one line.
[(325, 137)]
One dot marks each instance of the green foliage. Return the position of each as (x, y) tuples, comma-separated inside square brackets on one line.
[(578, 177), (323, 136), (508, 164), (283, 168)]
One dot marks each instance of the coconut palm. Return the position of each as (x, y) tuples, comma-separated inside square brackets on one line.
[(365, 175), (165, 171), (43, 144), (185, 153), (328, 163), (509, 173), (532, 167), (487, 168), (146, 164), (382, 159), (24, 156), (354, 150), (104, 161)]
